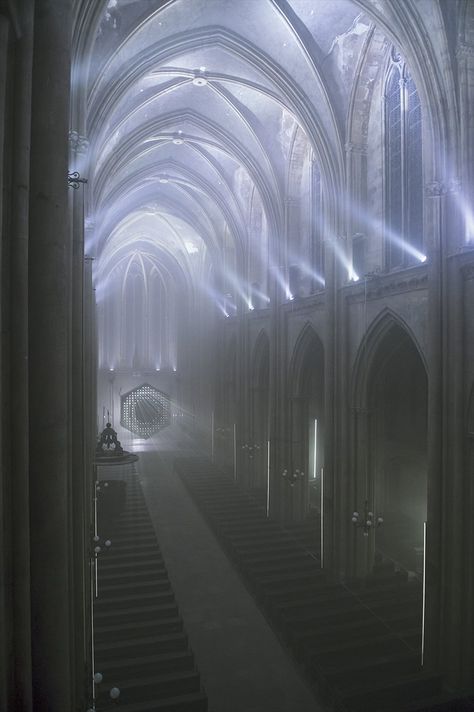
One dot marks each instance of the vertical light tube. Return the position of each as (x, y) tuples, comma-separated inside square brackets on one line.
[(212, 436), (322, 517), (235, 451), (92, 633), (315, 447), (268, 478), (424, 597)]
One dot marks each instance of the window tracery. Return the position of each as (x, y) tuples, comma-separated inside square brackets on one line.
[(403, 165)]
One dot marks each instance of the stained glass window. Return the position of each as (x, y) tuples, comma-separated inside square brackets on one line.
[(403, 166)]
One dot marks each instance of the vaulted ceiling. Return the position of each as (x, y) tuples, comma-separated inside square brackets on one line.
[(195, 109)]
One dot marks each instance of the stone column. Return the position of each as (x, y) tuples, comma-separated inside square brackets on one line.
[(49, 280), (16, 64), (81, 463), (435, 515)]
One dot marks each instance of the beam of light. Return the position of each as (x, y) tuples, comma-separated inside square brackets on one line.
[(315, 447), (344, 260), (212, 436), (380, 228), (281, 279), (322, 518), (310, 272), (235, 451), (241, 287), (468, 216), (424, 597), (220, 301), (268, 478)]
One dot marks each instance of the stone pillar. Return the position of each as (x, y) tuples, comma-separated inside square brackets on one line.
[(81, 459), (49, 281), (435, 447), (15, 98)]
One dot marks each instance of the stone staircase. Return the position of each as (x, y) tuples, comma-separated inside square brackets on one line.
[(358, 645), (140, 644)]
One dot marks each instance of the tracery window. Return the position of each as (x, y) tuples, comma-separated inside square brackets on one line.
[(403, 167)]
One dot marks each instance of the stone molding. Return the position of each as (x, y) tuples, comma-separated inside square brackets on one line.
[(358, 148), (383, 286), (468, 271), (79, 144), (464, 50), (436, 188)]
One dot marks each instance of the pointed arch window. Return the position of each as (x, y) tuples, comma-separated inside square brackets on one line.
[(403, 167)]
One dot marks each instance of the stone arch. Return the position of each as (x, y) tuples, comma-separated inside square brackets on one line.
[(307, 345), (259, 412), (372, 339), (260, 358), (390, 398), (306, 420), (470, 414)]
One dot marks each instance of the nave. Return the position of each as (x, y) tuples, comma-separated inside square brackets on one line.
[(353, 647), (242, 664)]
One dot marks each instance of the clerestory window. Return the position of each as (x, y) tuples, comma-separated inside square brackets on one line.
[(403, 167)]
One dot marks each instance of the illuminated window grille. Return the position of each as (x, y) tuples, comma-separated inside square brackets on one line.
[(144, 411)]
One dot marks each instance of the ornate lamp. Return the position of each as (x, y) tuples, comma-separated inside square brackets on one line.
[(367, 521), (292, 477)]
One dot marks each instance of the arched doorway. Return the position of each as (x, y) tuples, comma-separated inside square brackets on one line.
[(391, 443), (306, 424), (259, 398)]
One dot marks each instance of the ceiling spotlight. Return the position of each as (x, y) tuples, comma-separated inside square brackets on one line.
[(163, 180), (178, 141)]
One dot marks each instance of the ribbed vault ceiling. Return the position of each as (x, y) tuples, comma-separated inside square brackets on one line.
[(194, 109)]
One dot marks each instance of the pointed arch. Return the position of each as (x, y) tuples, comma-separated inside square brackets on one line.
[(372, 350), (308, 349), (470, 414), (260, 360)]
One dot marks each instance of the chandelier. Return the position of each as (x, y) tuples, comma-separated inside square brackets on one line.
[(366, 521)]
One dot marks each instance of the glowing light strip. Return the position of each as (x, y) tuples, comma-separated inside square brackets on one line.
[(424, 597), (315, 448), (235, 451), (92, 634), (212, 436), (268, 478), (322, 517)]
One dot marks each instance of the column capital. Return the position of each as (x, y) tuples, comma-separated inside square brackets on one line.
[(435, 188), (358, 148), (464, 50), (79, 144)]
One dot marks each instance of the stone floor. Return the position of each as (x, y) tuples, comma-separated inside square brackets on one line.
[(242, 664)]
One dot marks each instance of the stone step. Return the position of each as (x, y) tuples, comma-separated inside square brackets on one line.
[(149, 665), (373, 697), (347, 609), (150, 562), (133, 599), (298, 562), (124, 631), (193, 702), (132, 555), (162, 686), (141, 646), (140, 612), (304, 599), (367, 626), (118, 577), (148, 585), (315, 651), (137, 540)]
